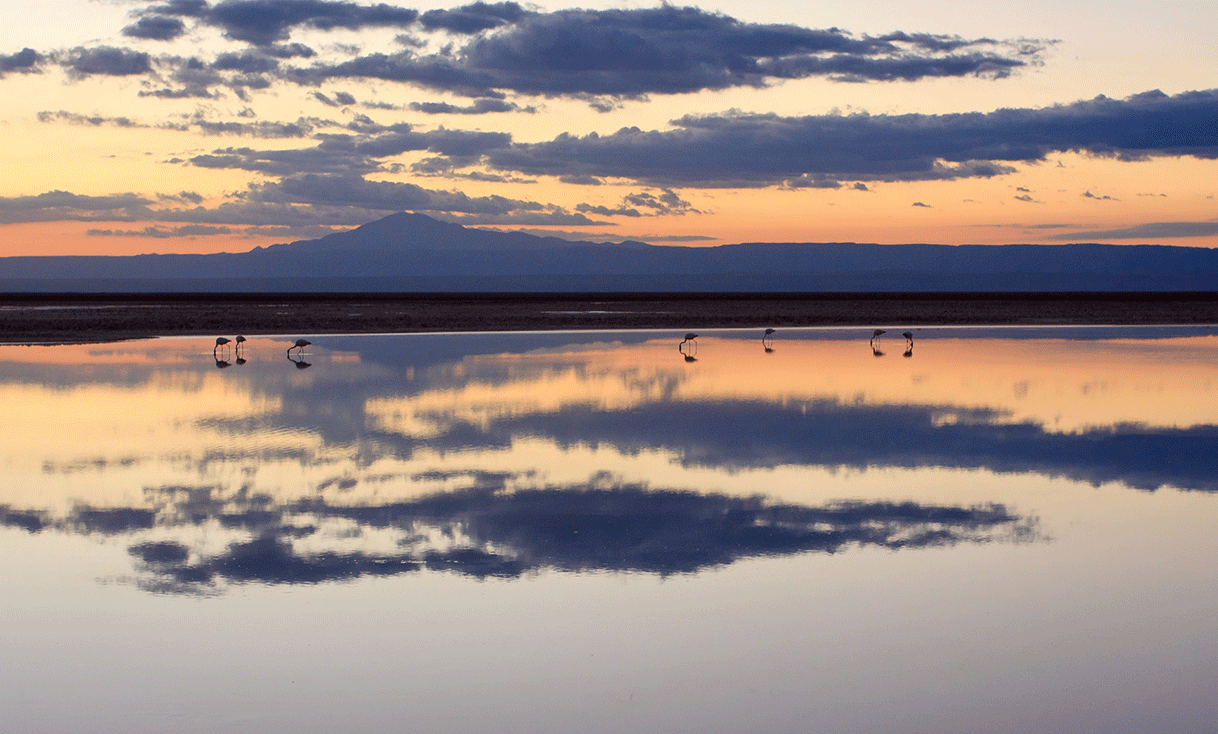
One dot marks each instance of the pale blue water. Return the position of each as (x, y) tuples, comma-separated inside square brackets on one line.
[(1010, 530)]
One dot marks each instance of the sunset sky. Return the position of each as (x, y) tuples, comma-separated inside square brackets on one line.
[(195, 126)]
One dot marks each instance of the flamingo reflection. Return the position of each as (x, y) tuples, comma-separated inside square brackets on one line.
[(689, 346), (875, 342)]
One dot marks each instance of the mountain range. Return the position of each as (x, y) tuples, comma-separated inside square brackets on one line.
[(415, 253)]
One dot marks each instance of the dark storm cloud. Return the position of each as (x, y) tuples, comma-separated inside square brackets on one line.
[(106, 61), (156, 28), (1149, 231), (24, 60), (628, 53), (758, 150)]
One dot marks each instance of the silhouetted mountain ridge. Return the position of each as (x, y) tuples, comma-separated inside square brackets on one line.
[(413, 252), (406, 231)]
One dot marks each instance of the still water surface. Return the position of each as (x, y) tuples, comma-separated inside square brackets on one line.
[(1010, 530)]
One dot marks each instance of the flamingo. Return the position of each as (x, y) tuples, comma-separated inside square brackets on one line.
[(220, 341), (240, 341), (300, 344), (688, 338), (767, 339)]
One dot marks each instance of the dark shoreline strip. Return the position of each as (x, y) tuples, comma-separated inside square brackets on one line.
[(79, 317)]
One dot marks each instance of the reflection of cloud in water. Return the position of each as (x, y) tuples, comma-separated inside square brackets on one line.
[(484, 532), (739, 434)]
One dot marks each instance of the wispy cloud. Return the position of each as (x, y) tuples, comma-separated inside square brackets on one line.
[(1149, 231)]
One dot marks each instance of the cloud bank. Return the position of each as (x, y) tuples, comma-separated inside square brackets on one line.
[(734, 150)]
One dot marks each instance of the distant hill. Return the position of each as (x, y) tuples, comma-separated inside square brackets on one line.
[(413, 252)]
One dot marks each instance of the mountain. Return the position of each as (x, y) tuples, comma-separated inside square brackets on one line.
[(413, 252)]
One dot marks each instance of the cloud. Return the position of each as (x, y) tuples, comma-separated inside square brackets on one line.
[(359, 154), (156, 28), (481, 106), (54, 206), (340, 99), (600, 56), (630, 53), (920, 204), (666, 202), (594, 526), (189, 230), (25, 60), (1089, 195), (106, 61), (1148, 231), (267, 22), (73, 118), (385, 196), (473, 18), (737, 149)]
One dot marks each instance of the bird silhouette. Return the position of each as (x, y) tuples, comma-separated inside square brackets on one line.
[(220, 341), (240, 341), (767, 340), (300, 344), (688, 338)]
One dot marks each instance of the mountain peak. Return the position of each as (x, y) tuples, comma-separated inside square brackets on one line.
[(409, 231)]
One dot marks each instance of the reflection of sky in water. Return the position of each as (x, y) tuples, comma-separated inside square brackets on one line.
[(755, 540)]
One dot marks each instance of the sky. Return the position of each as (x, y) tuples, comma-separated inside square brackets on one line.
[(219, 126)]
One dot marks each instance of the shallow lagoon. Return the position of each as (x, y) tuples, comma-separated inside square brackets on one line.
[(1002, 530)]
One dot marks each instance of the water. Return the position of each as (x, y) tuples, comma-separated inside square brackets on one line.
[(1001, 530)]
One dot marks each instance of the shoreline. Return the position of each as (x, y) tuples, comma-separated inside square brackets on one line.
[(28, 318)]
